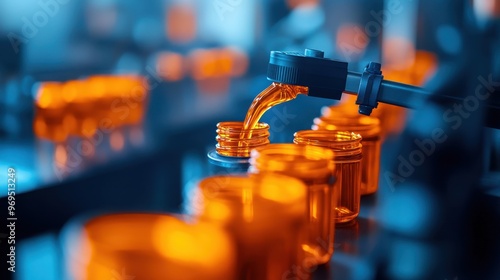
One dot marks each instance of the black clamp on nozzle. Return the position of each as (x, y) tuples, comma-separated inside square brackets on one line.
[(324, 77), (369, 87)]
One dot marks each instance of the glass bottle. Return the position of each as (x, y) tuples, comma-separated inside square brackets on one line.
[(232, 151), (314, 167), (147, 246), (347, 150), (369, 129), (265, 215)]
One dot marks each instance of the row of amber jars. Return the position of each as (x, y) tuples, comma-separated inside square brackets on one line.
[(275, 222), (235, 153), (331, 171)]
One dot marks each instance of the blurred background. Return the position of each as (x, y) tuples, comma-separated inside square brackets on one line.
[(110, 105)]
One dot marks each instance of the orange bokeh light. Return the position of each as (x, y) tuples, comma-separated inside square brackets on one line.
[(240, 62), (213, 63), (49, 95), (419, 69), (213, 68), (60, 155), (77, 107), (170, 66), (398, 53), (181, 23), (117, 140), (39, 126), (150, 246), (487, 8), (352, 40), (296, 3)]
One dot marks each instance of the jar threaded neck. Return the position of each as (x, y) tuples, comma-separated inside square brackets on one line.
[(231, 143), (367, 126), (301, 161), (343, 143)]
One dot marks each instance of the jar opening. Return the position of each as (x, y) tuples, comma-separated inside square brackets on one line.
[(339, 118), (301, 161), (237, 188), (341, 142), (238, 127), (235, 141)]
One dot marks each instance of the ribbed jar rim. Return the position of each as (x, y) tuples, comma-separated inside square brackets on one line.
[(235, 141), (333, 119), (343, 143), (369, 129), (298, 160)]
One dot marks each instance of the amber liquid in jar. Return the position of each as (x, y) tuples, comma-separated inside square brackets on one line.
[(313, 166), (265, 215), (337, 119), (232, 152), (346, 147)]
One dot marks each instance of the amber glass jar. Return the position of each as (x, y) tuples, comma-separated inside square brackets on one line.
[(369, 129), (147, 246), (348, 154), (232, 151), (314, 167), (265, 215)]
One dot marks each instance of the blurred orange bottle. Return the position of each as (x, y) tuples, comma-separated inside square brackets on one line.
[(119, 98), (266, 217), (314, 167), (49, 109), (148, 246)]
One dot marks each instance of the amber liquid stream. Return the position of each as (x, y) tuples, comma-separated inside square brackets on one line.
[(273, 95)]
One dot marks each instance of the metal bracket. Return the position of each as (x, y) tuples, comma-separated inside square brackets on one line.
[(369, 88)]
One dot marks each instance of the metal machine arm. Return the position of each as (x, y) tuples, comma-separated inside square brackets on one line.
[(329, 78)]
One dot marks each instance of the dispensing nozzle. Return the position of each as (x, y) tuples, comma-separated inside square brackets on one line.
[(323, 76)]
